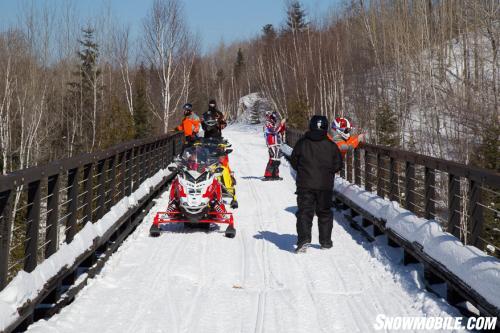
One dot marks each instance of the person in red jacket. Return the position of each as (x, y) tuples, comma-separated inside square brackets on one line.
[(273, 130), (344, 138)]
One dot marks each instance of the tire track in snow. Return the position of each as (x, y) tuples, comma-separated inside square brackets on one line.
[(190, 318)]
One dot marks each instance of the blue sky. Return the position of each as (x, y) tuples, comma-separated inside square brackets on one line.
[(214, 20)]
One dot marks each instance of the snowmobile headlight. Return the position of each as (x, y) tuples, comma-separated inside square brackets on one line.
[(203, 177)]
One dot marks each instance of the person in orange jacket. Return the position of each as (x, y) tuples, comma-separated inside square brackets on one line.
[(190, 124), (344, 138)]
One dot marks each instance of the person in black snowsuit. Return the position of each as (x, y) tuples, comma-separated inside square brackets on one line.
[(211, 130), (316, 158)]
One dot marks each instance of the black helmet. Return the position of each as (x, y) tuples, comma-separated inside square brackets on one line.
[(318, 122), (188, 109), (209, 120)]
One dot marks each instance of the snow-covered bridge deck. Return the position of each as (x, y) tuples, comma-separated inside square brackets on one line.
[(203, 282)]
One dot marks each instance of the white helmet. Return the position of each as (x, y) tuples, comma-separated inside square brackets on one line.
[(343, 127)]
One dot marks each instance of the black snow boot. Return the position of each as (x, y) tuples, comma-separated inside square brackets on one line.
[(302, 247)]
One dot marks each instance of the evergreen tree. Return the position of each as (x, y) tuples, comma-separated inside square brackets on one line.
[(387, 126), (141, 121), (296, 18), (88, 72), (298, 113), (239, 65), (119, 124), (269, 33), (86, 91), (219, 77), (488, 154)]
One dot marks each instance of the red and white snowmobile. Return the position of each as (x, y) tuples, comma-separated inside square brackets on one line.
[(195, 193)]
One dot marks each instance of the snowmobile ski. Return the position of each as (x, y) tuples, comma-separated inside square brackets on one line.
[(267, 179), (154, 231), (230, 232)]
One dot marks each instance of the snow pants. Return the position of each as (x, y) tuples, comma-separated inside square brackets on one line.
[(273, 165), (312, 202)]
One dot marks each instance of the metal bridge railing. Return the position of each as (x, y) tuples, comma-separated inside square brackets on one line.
[(465, 200), (45, 206)]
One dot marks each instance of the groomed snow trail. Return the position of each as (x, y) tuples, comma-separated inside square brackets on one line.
[(194, 281)]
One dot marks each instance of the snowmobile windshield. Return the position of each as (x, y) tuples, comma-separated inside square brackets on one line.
[(198, 158)]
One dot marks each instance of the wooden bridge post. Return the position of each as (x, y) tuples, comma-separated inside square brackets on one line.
[(52, 227), (380, 176), (72, 210), (357, 168), (6, 199), (33, 224), (368, 184), (88, 178), (409, 185), (429, 193), (101, 182), (476, 214), (393, 180), (454, 205)]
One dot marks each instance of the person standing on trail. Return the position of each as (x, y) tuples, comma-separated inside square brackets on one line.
[(273, 130), (316, 158), (190, 124), (344, 138), (213, 121)]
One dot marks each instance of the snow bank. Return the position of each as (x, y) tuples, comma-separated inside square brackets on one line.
[(26, 286), (479, 270)]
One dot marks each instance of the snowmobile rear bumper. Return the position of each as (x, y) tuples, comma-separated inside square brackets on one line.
[(178, 217)]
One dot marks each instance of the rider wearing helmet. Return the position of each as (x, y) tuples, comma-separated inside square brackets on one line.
[(316, 159), (213, 121), (273, 130), (190, 124), (344, 138)]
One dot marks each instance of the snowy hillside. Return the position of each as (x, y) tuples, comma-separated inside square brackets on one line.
[(252, 109), (194, 281)]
